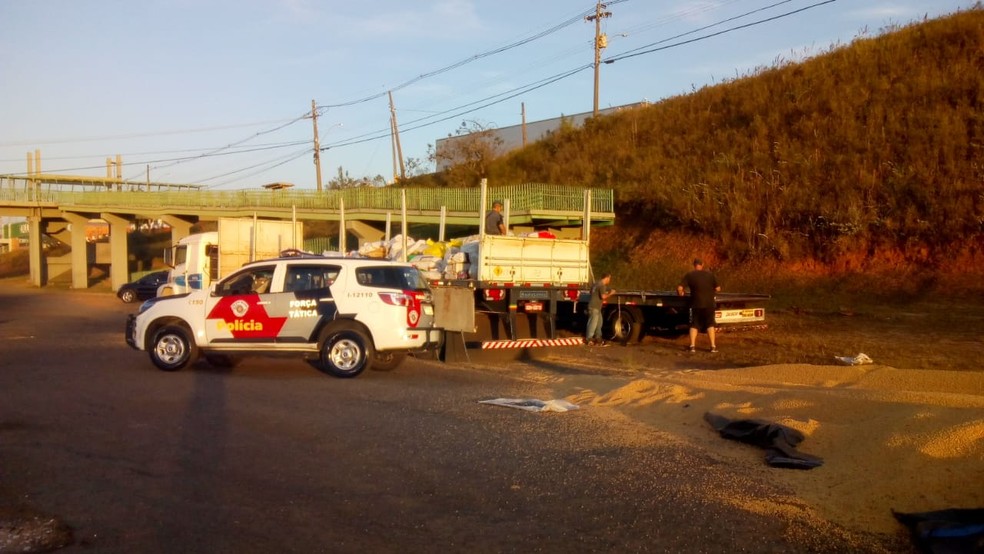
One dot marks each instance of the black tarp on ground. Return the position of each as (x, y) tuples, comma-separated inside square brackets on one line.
[(953, 531), (778, 440)]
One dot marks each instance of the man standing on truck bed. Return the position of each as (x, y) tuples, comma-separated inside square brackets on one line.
[(599, 293), (493, 220), (702, 285)]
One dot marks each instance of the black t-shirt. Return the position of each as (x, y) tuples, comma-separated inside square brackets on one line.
[(701, 284)]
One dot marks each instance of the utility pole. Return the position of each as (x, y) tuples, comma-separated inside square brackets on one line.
[(317, 144), (397, 150), (523, 106), (393, 145), (114, 171), (600, 42)]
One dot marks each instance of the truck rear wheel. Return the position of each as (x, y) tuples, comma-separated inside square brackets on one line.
[(345, 350), (172, 348), (624, 324)]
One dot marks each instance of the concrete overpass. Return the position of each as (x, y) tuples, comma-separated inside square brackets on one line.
[(61, 206)]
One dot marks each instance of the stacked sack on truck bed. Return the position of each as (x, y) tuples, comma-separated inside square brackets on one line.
[(435, 260)]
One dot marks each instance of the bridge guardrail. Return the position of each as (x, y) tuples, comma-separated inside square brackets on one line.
[(530, 196)]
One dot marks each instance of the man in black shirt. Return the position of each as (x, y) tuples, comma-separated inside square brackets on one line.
[(702, 285)]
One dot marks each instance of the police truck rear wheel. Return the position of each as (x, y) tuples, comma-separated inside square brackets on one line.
[(172, 348), (345, 351)]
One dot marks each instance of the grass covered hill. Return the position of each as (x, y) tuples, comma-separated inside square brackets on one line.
[(869, 150)]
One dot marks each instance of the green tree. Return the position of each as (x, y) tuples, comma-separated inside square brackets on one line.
[(415, 167), (467, 155), (344, 180)]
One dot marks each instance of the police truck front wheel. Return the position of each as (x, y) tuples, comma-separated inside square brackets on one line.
[(345, 351), (172, 348)]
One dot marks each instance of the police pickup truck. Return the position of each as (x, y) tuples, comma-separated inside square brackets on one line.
[(347, 314)]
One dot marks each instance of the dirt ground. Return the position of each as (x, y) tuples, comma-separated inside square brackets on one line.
[(931, 334), (903, 433), (909, 440)]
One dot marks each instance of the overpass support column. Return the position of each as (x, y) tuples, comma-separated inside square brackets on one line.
[(180, 228), (80, 250), (37, 263), (119, 258), (364, 232)]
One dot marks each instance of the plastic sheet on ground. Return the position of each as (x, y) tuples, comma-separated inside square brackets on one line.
[(532, 404), (951, 531), (860, 359), (779, 441)]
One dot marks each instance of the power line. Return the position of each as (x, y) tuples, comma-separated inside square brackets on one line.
[(715, 24), (489, 101), (410, 126), (238, 142), (221, 151), (465, 61), (144, 162), (175, 161), (619, 57), (136, 135), (459, 110), (277, 162), (151, 152), (700, 8), (513, 93), (217, 151)]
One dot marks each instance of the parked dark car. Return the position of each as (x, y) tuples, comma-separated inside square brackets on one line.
[(143, 288)]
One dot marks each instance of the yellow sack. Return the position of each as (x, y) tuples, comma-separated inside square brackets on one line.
[(435, 249)]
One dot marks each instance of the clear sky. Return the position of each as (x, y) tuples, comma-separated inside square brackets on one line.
[(214, 91)]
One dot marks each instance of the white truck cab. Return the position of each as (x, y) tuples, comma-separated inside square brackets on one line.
[(194, 264)]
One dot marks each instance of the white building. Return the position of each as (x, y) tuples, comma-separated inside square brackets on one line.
[(512, 136)]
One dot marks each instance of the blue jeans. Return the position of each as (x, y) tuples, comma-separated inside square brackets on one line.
[(594, 324)]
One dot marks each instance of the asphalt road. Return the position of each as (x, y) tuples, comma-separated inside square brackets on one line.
[(274, 456)]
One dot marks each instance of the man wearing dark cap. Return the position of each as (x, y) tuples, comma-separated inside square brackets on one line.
[(702, 285), (493, 220)]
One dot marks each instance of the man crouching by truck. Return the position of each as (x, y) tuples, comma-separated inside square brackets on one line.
[(599, 293), (702, 285)]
